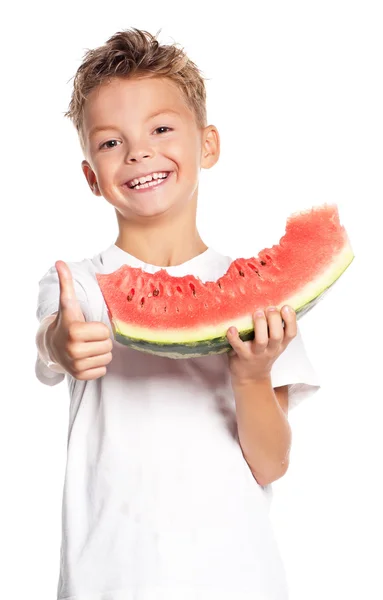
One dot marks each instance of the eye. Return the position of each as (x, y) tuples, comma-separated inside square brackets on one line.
[(114, 142), (163, 127)]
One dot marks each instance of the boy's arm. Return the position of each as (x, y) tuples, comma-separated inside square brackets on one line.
[(47, 371), (66, 341), (42, 346), (282, 395), (263, 429), (263, 400)]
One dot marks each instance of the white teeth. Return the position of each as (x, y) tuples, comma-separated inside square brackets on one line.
[(149, 184), (142, 180)]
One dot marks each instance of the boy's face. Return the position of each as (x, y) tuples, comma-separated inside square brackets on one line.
[(133, 128)]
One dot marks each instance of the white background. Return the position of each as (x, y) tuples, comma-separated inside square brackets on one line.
[(295, 89)]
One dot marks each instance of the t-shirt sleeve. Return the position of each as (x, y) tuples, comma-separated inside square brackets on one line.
[(293, 368), (47, 304)]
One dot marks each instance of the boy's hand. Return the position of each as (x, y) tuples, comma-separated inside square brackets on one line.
[(83, 349), (252, 361)]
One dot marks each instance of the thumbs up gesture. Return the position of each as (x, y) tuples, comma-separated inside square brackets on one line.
[(82, 349)]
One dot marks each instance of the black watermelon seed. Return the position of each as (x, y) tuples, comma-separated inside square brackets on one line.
[(263, 263), (156, 292), (242, 274), (254, 268)]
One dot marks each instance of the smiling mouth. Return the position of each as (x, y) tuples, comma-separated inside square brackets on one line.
[(148, 182)]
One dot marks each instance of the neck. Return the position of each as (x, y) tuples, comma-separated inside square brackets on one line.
[(162, 242)]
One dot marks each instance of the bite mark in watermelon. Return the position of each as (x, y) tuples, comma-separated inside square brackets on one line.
[(181, 317)]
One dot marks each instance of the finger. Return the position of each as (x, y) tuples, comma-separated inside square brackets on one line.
[(69, 304), (89, 349), (91, 374), (236, 343), (291, 328), (276, 334), (261, 335), (92, 331), (92, 362)]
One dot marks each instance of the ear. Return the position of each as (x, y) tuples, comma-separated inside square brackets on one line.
[(90, 176), (210, 147)]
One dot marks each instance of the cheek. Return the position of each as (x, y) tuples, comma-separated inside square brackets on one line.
[(106, 169), (185, 154), (189, 163)]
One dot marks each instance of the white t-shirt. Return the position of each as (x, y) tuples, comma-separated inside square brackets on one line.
[(159, 503)]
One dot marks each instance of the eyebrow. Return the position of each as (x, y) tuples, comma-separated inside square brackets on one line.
[(156, 114)]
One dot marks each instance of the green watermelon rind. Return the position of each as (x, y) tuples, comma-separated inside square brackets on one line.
[(215, 342)]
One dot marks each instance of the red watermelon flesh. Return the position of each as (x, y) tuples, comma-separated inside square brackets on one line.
[(183, 317)]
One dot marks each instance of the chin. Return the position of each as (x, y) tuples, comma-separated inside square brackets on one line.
[(147, 207), (146, 211)]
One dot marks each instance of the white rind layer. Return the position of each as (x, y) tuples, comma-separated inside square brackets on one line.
[(297, 301)]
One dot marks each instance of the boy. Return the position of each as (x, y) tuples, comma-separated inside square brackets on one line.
[(170, 462)]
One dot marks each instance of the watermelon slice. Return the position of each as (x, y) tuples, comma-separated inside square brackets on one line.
[(181, 317)]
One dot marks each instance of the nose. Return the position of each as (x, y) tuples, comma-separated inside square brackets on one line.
[(135, 155)]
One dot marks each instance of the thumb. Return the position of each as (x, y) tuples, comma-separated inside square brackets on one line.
[(69, 306)]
